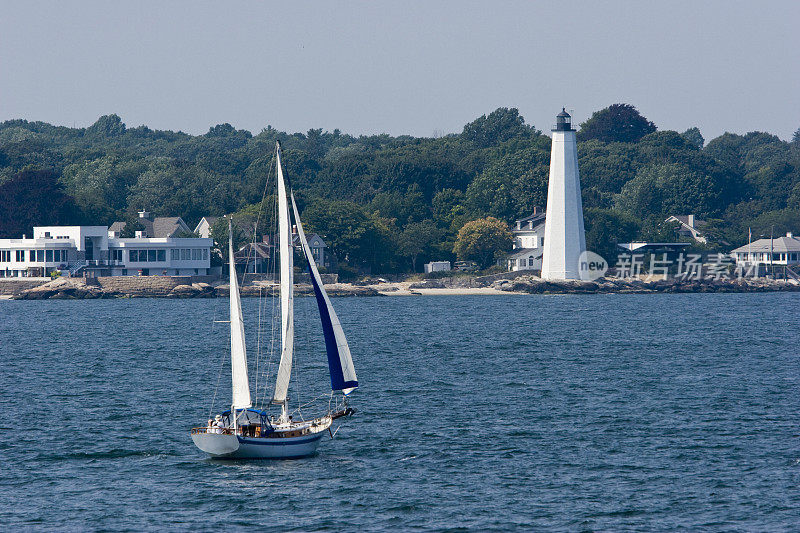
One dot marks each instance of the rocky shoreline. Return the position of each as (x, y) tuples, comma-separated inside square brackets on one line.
[(162, 287), (533, 285), (512, 283)]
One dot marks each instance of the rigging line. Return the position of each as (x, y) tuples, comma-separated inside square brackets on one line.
[(216, 388), (258, 220), (272, 263), (270, 268), (258, 343)]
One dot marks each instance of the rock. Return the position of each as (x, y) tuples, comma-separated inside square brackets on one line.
[(183, 291)]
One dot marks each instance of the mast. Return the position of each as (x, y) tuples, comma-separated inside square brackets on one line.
[(286, 251), (239, 382)]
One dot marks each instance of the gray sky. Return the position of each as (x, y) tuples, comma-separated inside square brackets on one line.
[(400, 67)]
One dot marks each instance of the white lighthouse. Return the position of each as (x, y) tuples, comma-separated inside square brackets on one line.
[(564, 238)]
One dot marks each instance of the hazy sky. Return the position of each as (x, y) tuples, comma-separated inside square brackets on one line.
[(407, 67)]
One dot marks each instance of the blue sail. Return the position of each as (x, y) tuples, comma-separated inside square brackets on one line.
[(338, 381), (340, 362)]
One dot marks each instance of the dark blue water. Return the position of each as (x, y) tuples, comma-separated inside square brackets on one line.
[(606, 412)]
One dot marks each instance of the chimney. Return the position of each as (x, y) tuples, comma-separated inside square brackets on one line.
[(790, 234), (144, 214), (691, 221), (535, 210), (140, 235)]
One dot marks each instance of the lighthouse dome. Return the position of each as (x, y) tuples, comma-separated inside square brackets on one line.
[(563, 121)]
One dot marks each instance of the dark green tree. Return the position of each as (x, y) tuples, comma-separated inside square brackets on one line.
[(34, 198), (500, 125), (693, 136), (419, 239), (483, 241), (616, 123)]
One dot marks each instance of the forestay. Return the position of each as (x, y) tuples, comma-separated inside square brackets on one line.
[(286, 252), (340, 362), (241, 386)]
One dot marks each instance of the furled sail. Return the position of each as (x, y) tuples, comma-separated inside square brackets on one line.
[(241, 386), (286, 252), (340, 362)]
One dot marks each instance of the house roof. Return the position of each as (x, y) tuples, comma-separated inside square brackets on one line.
[(779, 245), (652, 246), (117, 227), (159, 227), (317, 241), (209, 220), (526, 252), (529, 223), (168, 226), (250, 250), (684, 219)]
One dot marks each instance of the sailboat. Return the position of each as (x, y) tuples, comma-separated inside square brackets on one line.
[(246, 431)]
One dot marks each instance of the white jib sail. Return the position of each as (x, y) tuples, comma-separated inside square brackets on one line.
[(241, 385), (286, 252), (345, 358)]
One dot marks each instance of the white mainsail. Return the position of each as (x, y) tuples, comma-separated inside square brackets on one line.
[(340, 361), (286, 251), (241, 385)]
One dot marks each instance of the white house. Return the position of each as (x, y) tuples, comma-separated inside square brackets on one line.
[(320, 251), (689, 227), (781, 251), (98, 251), (437, 266), (528, 234), (203, 227)]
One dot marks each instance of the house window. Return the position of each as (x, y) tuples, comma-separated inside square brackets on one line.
[(161, 255), (5, 256), (175, 254), (40, 256), (116, 255), (522, 262), (133, 256), (185, 254), (31, 256), (195, 254), (151, 256), (20, 256), (48, 254), (205, 254)]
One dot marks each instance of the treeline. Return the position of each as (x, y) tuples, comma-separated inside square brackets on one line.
[(393, 203)]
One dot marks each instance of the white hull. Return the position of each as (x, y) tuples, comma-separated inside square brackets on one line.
[(288, 441), (237, 447)]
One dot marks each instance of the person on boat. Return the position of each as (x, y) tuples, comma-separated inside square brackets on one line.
[(210, 426), (218, 425)]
